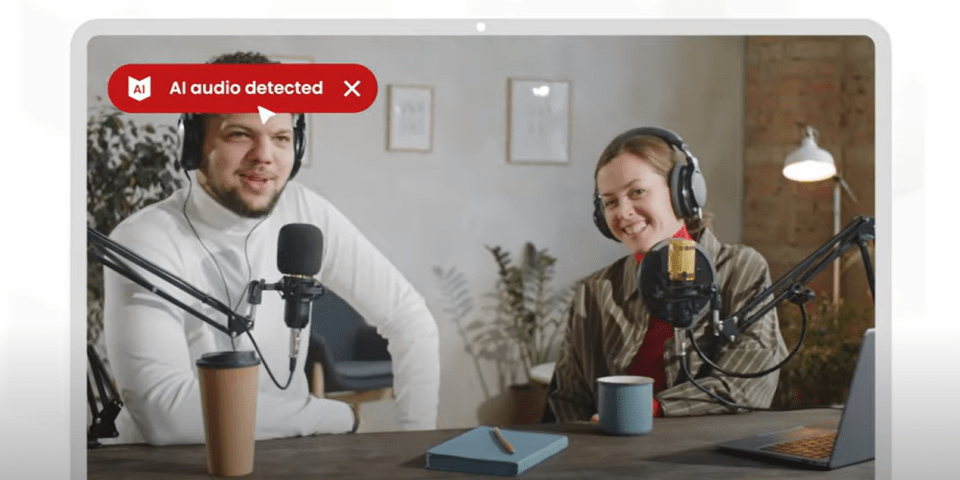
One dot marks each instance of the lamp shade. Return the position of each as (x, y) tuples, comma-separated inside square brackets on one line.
[(808, 162)]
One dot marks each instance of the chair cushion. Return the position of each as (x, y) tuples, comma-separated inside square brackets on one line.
[(364, 369), (358, 375)]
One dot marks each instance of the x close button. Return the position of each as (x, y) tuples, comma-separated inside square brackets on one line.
[(242, 88), (351, 88)]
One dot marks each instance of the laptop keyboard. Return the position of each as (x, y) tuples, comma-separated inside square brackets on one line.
[(815, 447)]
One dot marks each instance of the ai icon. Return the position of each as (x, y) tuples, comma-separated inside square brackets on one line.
[(138, 89)]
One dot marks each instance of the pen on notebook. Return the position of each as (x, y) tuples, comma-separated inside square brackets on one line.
[(503, 441)]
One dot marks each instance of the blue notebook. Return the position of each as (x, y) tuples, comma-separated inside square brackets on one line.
[(479, 451)]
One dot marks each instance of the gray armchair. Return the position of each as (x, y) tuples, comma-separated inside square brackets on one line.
[(347, 359)]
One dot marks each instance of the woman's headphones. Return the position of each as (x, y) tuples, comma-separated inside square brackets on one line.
[(191, 129), (688, 190)]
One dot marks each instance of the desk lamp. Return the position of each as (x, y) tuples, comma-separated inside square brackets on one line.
[(810, 163)]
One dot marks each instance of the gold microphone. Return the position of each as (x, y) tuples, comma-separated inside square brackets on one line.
[(681, 260)]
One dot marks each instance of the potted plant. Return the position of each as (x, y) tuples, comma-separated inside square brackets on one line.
[(526, 320), (527, 307), (129, 166)]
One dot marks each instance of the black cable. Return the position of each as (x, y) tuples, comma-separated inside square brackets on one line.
[(246, 257), (796, 348), (267, 367), (719, 399), (227, 289), (223, 279), (728, 403)]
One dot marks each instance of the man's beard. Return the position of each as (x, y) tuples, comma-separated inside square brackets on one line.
[(231, 199)]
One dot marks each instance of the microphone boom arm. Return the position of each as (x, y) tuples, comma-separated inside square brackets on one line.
[(236, 323), (791, 285)]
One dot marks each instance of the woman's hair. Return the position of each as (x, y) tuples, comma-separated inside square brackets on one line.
[(658, 154)]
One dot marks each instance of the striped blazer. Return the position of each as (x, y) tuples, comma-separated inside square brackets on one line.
[(608, 319)]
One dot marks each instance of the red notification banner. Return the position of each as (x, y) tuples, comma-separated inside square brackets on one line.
[(242, 88)]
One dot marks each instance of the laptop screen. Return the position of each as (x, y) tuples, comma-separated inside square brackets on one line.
[(856, 433)]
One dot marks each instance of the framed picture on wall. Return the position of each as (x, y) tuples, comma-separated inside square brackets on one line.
[(410, 118), (538, 121), (309, 137)]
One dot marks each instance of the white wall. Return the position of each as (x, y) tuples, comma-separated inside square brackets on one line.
[(442, 207)]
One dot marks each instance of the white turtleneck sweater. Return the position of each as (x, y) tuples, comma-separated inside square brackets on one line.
[(153, 345)]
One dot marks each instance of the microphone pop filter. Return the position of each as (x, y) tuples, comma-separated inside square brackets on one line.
[(678, 303), (299, 249)]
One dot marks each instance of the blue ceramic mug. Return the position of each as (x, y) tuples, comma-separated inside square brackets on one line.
[(624, 404)]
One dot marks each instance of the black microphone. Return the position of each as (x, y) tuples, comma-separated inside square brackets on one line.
[(299, 252), (677, 281)]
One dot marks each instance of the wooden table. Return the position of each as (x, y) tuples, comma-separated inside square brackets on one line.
[(677, 448)]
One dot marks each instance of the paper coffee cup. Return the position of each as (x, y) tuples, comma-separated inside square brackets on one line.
[(228, 396), (625, 404)]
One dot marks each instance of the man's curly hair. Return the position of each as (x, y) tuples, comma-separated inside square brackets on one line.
[(242, 57)]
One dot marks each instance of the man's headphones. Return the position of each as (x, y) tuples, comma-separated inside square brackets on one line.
[(191, 129), (688, 189)]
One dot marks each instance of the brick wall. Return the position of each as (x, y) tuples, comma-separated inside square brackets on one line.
[(827, 83)]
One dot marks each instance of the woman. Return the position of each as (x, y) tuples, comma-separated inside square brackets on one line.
[(639, 193)]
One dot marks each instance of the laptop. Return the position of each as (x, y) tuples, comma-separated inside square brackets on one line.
[(852, 441)]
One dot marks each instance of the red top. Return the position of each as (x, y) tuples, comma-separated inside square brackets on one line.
[(648, 362)]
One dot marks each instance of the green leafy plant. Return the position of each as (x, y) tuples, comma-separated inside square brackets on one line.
[(129, 166), (528, 307), (526, 319), (820, 372)]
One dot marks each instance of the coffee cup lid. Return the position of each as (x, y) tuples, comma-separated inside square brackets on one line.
[(228, 359)]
